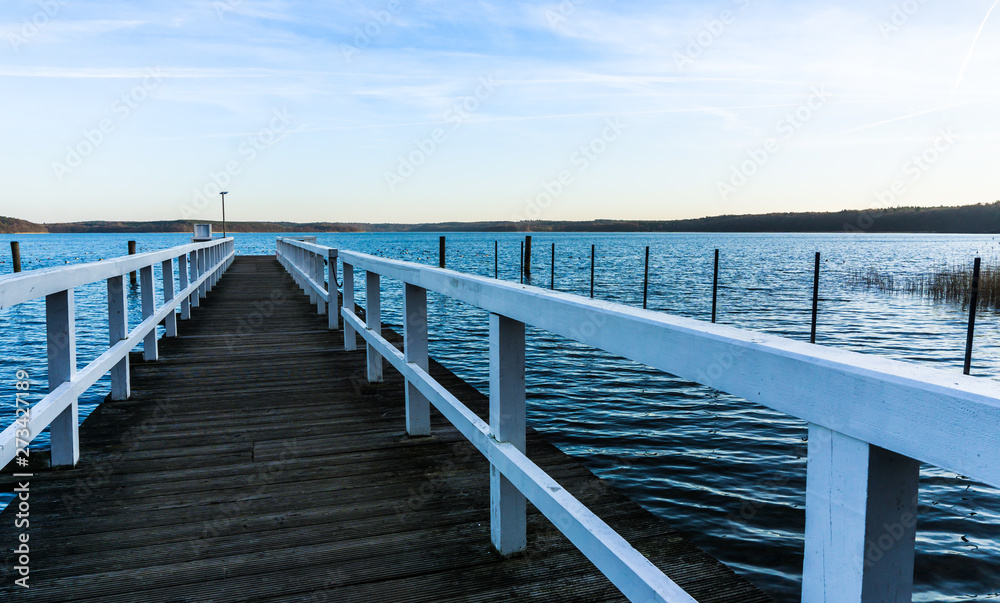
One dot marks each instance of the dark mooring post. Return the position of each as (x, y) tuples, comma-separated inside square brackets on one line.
[(645, 280), (521, 263), (592, 247), (715, 285), (131, 251), (973, 302), (15, 255), (527, 256), (441, 252), (812, 333), (496, 259), (552, 279)]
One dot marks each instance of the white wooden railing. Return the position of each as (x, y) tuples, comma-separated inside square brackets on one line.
[(307, 263), (871, 422), (58, 409)]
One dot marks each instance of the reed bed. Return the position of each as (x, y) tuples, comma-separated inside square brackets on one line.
[(951, 284)]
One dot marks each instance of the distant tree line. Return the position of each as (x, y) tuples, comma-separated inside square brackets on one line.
[(976, 219)]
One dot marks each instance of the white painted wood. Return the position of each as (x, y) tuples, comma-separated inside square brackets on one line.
[(418, 409), (182, 271), (319, 275), (333, 297), (170, 324), (61, 402), (350, 337), (195, 274), (121, 384), (861, 515), (60, 325), (33, 284), (373, 320), (508, 521), (210, 261), (946, 419), (150, 349), (629, 570), (311, 247), (307, 262), (203, 270)]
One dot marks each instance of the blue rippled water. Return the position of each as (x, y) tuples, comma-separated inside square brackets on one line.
[(729, 473)]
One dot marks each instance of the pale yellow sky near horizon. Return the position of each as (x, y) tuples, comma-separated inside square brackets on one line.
[(434, 112)]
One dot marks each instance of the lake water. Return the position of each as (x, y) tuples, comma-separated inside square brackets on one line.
[(729, 473)]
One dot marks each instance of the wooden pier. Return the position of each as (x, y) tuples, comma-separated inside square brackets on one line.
[(254, 461)]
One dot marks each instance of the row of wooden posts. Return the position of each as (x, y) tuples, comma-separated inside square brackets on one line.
[(525, 267), (15, 255), (525, 264)]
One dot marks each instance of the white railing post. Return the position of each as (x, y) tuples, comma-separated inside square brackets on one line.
[(150, 353), (170, 323), (418, 410), (213, 260), (350, 337), (861, 516), (318, 271), (508, 520), (194, 297), (333, 299), (182, 271), (121, 387), (373, 322), (60, 322), (202, 269)]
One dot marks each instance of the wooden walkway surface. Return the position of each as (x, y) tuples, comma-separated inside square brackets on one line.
[(254, 463)]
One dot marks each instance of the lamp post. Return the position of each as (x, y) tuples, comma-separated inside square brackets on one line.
[(224, 193)]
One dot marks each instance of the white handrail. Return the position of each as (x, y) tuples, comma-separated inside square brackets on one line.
[(871, 419), (25, 286), (209, 260), (307, 264)]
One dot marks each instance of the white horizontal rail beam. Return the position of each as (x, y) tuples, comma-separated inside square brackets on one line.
[(25, 286), (320, 250), (317, 288), (943, 418), (52, 405), (633, 574)]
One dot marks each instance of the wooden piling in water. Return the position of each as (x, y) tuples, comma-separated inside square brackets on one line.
[(715, 285), (441, 252), (496, 259), (527, 256), (15, 255), (521, 264), (812, 333), (973, 302), (131, 251), (592, 249), (645, 280)]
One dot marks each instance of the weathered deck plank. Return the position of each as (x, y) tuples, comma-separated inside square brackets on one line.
[(253, 463)]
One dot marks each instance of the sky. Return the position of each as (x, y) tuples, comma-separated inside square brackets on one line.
[(431, 111)]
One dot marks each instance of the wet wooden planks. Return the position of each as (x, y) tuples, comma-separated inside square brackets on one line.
[(254, 463)]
